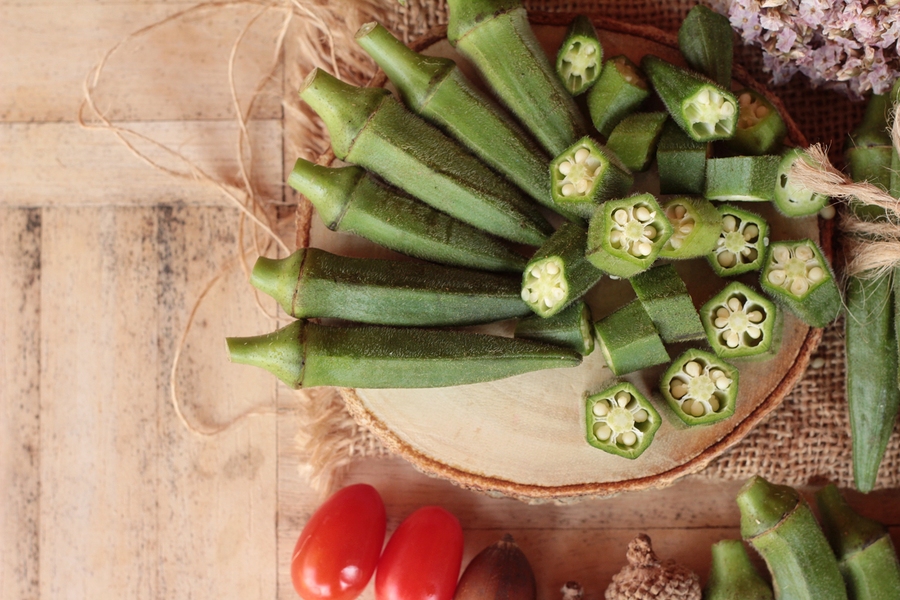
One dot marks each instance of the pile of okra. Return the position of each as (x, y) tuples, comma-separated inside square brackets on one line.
[(518, 200)]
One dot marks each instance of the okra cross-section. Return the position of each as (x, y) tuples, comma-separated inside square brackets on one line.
[(621, 421), (625, 236), (742, 243), (760, 128), (580, 56), (700, 387), (740, 322), (797, 276), (586, 174), (573, 328), (704, 110), (791, 198), (695, 227), (629, 341)]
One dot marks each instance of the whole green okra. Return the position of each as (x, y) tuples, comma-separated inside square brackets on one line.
[(732, 576)]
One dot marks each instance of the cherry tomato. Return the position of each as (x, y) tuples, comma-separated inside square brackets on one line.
[(338, 549), (422, 559)]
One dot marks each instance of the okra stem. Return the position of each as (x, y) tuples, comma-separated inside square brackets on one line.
[(732, 576)]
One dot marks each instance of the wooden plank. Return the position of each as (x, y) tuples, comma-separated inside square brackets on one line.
[(20, 295), (56, 164), (177, 71)]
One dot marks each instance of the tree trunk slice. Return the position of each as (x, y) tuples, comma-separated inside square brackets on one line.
[(523, 437)]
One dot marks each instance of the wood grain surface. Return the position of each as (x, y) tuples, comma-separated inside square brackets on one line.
[(102, 259)]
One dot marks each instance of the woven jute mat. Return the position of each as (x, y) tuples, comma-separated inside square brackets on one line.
[(806, 440)]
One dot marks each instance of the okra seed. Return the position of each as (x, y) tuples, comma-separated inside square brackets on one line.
[(642, 213), (678, 389), (729, 223), (565, 167), (623, 398), (581, 186), (687, 226), (761, 111), (777, 277), (581, 155), (676, 243), (703, 96), (733, 340), (816, 274), (756, 316), (536, 272), (751, 232), (600, 409), (641, 416), (649, 232), (727, 259), (828, 212), (804, 253), (628, 438), (693, 368), (754, 332), (697, 409), (714, 404), (679, 211), (615, 237), (602, 431), (715, 374), (723, 383), (621, 217), (744, 99), (799, 287), (687, 406), (568, 189), (735, 304), (750, 254), (552, 268), (781, 254), (644, 249)]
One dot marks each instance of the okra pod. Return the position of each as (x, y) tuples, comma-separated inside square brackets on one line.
[(351, 200), (496, 37), (696, 226), (706, 41), (305, 355), (741, 323), (619, 91), (620, 420), (372, 129), (779, 524), (863, 547), (732, 576), (585, 175), (665, 298), (705, 111), (629, 341), (572, 328), (760, 128), (634, 139), (742, 178), (313, 283), (700, 387), (681, 161), (798, 277), (580, 56)]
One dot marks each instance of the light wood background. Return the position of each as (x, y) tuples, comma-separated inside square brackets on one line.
[(105, 493)]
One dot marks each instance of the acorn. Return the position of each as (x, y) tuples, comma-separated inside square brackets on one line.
[(499, 572), (645, 577)]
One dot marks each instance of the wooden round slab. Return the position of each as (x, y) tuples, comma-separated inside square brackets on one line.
[(524, 436)]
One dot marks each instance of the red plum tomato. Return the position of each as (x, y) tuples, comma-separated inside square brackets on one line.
[(338, 549), (422, 559)]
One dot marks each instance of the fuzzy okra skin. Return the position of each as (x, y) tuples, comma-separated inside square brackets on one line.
[(619, 91), (798, 277), (681, 161), (305, 355), (580, 56), (372, 129), (706, 41), (703, 110), (351, 200), (863, 547), (732, 576), (572, 328), (629, 341), (780, 525), (665, 298), (742, 178), (634, 139), (496, 37), (620, 420), (313, 283)]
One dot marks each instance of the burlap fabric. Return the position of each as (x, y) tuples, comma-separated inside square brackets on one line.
[(805, 441)]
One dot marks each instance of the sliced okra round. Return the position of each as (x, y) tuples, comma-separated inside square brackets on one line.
[(580, 57), (572, 328), (559, 274), (700, 387), (625, 236), (740, 322), (629, 341), (797, 276), (791, 198), (621, 421), (619, 91), (696, 225), (704, 110), (742, 243), (680, 161), (760, 128), (634, 139), (742, 178), (585, 175), (666, 299)]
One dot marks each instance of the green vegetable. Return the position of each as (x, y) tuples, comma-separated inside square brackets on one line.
[(313, 283), (496, 37), (634, 139), (706, 41), (779, 524), (704, 110), (760, 128), (619, 91), (620, 420), (585, 175), (351, 200), (732, 576), (700, 388), (580, 56), (742, 242), (625, 236), (629, 340), (740, 323), (572, 328), (665, 298), (305, 355), (681, 162), (791, 198), (558, 274), (863, 547), (742, 178), (369, 127), (696, 227), (798, 277)]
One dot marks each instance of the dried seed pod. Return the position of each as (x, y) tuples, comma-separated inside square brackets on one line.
[(499, 572), (645, 577)]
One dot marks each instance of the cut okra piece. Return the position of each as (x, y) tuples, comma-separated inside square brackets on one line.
[(629, 341), (704, 110), (792, 199), (742, 243), (580, 57), (634, 139), (742, 178), (559, 274), (666, 299), (585, 175), (625, 236), (681, 161), (760, 128), (620, 420), (573, 328), (797, 276), (706, 41), (740, 322), (619, 91), (700, 387), (696, 225)]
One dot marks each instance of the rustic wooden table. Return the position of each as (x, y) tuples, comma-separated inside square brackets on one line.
[(102, 259)]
